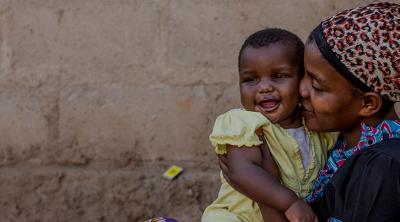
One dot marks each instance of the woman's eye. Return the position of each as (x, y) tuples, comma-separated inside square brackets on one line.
[(316, 88)]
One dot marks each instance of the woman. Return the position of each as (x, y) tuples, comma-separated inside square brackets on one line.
[(352, 80)]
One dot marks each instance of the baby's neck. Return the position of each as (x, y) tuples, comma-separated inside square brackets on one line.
[(293, 121)]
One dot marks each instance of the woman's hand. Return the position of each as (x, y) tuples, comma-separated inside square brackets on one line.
[(224, 166), (300, 211)]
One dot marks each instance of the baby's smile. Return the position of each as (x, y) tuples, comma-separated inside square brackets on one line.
[(268, 105)]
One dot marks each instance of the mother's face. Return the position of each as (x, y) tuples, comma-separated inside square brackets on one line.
[(328, 102)]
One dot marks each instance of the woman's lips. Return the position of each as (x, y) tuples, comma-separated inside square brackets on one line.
[(307, 113)]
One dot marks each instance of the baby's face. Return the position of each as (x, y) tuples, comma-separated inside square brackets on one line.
[(269, 82)]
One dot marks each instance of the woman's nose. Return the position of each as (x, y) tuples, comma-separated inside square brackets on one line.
[(304, 87)]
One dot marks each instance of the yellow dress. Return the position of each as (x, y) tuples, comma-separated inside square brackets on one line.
[(237, 127)]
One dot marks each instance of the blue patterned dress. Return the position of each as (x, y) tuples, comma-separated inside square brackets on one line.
[(387, 129)]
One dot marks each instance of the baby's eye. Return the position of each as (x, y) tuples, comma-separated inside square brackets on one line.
[(280, 75), (249, 79)]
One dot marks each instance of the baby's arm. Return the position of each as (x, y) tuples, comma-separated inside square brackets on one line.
[(245, 169)]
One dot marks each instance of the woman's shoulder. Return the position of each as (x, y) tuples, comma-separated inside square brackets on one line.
[(379, 159), (388, 148)]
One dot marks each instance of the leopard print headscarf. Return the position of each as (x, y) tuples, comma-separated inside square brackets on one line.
[(363, 44)]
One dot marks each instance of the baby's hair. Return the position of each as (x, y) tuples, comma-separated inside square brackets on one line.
[(268, 36)]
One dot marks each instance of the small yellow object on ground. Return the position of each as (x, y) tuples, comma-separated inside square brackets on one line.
[(173, 172)]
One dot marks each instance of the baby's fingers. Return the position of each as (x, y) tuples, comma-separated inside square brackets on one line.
[(260, 133)]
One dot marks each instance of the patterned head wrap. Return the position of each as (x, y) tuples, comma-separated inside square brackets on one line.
[(363, 44)]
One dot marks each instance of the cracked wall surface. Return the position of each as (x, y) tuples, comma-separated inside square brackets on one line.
[(98, 98)]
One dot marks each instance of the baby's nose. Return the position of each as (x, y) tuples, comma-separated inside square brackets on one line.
[(265, 87)]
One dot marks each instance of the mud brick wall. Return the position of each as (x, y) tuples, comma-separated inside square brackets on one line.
[(99, 97)]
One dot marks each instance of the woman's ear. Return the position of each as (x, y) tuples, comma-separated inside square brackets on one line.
[(371, 103)]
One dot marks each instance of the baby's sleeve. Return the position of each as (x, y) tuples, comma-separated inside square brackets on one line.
[(236, 127)]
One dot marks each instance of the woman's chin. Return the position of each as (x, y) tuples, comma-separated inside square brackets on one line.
[(312, 124)]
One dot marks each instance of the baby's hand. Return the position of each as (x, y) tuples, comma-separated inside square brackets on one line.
[(299, 211), (260, 132)]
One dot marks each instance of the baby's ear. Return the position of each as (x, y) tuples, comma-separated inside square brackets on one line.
[(371, 103)]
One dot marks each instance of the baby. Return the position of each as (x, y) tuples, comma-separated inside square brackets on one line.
[(270, 69)]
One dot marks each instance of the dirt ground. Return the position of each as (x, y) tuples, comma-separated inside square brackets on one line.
[(129, 194), (183, 198)]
